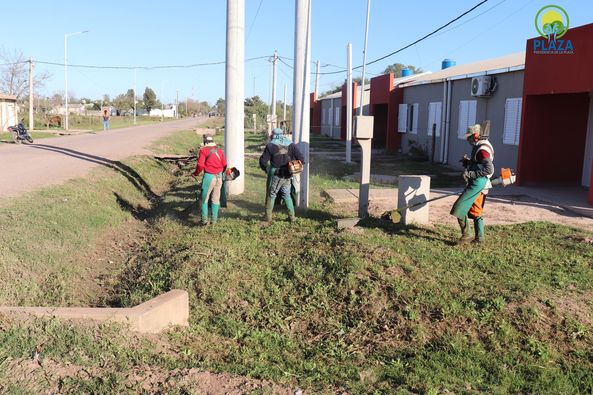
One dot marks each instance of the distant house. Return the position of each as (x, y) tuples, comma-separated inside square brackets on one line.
[(74, 108), (169, 112), (8, 111)]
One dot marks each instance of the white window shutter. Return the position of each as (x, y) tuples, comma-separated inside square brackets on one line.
[(471, 117), (437, 117), (434, 117), (402, 118), (337, 116), (330, 114), (463, 117), (512, 121), (415, 118), (518, 128)]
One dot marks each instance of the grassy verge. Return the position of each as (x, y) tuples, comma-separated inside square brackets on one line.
[(382, 309)]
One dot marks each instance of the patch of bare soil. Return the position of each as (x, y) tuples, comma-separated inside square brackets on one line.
[(48, 376), (103, 262), (497, 211)]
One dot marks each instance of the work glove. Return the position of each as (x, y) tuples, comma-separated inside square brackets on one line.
[(465, 160), (468, 175)]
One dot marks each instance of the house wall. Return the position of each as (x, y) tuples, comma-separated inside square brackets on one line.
[(330, 126), (315, 115), (8, 114), (510, 85)]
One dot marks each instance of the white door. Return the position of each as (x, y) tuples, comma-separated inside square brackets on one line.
[(588, 162)]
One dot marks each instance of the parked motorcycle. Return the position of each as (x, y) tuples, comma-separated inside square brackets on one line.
[(20, 133)]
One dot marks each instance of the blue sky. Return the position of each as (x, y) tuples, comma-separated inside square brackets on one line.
[(183, 32)]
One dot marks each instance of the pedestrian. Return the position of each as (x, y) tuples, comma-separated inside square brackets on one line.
[(279, 152), (479, 168), (211, 160), (105, 120)]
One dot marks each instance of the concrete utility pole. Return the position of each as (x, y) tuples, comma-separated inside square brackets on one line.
[(135, 97), (300, 95), (31, 119), (349, 104), (364, 57), (284, 113), (274, 78), (317, 78), (234, 133), (177, 105), (66, 71)]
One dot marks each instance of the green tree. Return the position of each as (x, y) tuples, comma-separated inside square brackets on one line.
[(397, 68), (254, 105), (220, 106), (150, 100)]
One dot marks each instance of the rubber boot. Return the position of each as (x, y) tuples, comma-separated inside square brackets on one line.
[(290, 207), (465, 236), (269, 209), (215, 208), (205, 213), (479, 230)]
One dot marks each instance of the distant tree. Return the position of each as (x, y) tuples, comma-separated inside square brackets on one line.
[(220, 106), (358, 79), (335, 89), (57, 99), (106, 100), (397, 68), (149, 99), (254, 105), (14, 75)]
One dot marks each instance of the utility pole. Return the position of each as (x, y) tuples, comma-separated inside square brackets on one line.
[(349, 104), (364, 58), (177, 105), (316, 78), (300, 102), (31, 119), (284, 113), (274, 78), (135, 97), (234, 133), (253, 87)]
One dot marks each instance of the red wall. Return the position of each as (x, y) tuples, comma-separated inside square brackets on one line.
[(315, 119), (381, 87), (561, 73), (553, 145)]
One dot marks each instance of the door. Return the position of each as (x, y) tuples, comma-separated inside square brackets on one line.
[(588, 160)]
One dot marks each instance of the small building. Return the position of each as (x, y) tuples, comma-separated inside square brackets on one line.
[(332, 110), (8, 112), (456, 97), (556, 145)]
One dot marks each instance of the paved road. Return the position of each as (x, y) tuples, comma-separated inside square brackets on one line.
[(24, 168)]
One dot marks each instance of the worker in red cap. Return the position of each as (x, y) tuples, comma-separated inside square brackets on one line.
[(479, 168), (211, 160)]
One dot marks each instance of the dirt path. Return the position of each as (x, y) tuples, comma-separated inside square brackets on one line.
[(25, 168)]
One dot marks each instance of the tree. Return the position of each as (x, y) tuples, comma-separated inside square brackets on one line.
[(125, 102), (149, 99), (220, 106), (397, 68), (14, 75), (254, 105)]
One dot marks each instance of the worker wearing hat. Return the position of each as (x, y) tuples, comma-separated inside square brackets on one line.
[(479, 168), (278, 152), (211, 160)]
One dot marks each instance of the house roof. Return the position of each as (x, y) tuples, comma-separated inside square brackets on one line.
[(7, 97), (503, 64)]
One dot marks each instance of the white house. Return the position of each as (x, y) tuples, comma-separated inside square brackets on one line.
[(8, 112)]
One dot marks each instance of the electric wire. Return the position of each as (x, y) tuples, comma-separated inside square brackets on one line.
[(254, 19)]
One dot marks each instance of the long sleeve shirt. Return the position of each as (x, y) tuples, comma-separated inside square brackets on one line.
[(210, 160)]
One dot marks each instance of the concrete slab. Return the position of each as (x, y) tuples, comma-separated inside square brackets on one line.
[(153, 316), (351, 195), (344, 223)]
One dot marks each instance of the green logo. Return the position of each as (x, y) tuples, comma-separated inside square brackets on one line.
[(551, 22)]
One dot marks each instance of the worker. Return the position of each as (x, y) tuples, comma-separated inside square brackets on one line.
[(478, 168), (279, 152), (211, 160)]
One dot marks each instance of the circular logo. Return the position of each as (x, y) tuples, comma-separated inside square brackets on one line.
[(551, 22)]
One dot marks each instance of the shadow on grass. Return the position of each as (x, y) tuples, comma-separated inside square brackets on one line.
[(411, 231)]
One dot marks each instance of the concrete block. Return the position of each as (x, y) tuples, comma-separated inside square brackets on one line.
[(414, 189), (344, 223), (153, 316)]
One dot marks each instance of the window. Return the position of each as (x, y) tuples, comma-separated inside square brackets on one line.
[(467, 116), (337, 116), (330, 117), (512, 121), (402, 118), (413, 118), (324, 116), (434, 117)]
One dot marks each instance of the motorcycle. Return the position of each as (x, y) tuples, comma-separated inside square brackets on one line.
[(20, 133)]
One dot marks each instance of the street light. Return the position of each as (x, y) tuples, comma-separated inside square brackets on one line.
[(66, 69)]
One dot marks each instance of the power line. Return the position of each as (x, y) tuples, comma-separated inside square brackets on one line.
[(415, 42), (254, 19), (188, 66)]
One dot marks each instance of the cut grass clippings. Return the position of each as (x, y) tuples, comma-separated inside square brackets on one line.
[(384, 309)]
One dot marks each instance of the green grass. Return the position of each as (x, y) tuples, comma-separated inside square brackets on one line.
[(384, 309)]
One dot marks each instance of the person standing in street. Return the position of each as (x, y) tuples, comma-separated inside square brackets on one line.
[(105, 120), (212, 162), (479, 168), (279, 152)]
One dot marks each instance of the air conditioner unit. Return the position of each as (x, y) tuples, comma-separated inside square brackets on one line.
[(482, 85)]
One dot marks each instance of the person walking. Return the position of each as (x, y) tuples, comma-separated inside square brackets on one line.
[(212, 162), (479, 168), (278, 153), (105, 120)]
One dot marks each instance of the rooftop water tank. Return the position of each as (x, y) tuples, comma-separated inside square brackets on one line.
[(406, 72), (447, 63)]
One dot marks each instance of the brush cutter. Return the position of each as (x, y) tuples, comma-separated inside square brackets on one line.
[(506, 178)]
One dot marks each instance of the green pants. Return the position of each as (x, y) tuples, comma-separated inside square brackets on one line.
[(462, 206), (211, 186)]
